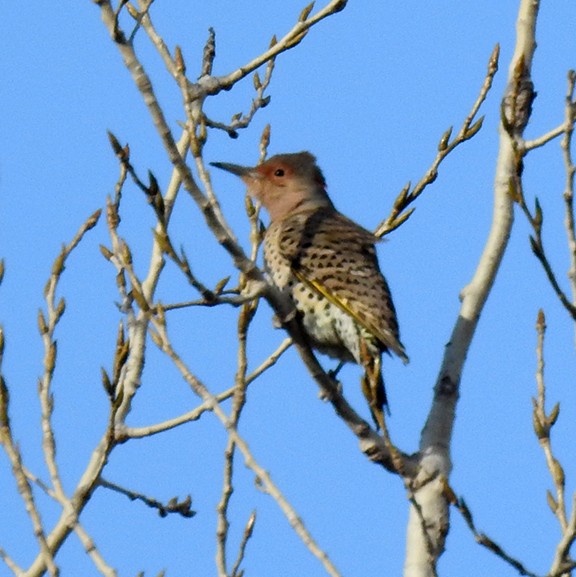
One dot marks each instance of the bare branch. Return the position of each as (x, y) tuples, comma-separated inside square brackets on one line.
[(162, 341), (124, 433), (151, 190), (245, 318), (544, 139), (47, 328), (25, 491), (143, 19), (562, 563), (570, 169), (248, 532), (11, 564), (81, 533), (93, 552), (543, 424), (400, 211), (491, 545), (222, 509), (535, 218), (181, 508), (436, 435), (210, 85), (537, 244), (270, 361), (74, 505), (24, 488), (240, 120)]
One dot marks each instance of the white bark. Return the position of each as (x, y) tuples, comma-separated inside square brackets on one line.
[(428, 524)]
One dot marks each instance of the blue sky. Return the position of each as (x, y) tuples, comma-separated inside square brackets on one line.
[(369, 92)]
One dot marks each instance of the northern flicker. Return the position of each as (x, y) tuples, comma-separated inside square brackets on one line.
[(327, 264)]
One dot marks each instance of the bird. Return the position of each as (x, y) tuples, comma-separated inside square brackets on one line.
[(327, 264)]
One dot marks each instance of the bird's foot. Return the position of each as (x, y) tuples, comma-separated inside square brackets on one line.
[(332, 374), (253, 289)]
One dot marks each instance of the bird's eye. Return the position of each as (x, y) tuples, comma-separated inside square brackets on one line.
[(279, 172)]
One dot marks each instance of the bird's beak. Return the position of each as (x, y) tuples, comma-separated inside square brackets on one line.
[(241, 171)]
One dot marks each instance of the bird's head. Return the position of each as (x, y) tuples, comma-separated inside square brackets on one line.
[(284, 184)]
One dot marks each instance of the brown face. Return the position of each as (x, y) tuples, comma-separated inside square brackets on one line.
[(267, 181), (285, 168), (284, 183), (262, 181), (276, 172)]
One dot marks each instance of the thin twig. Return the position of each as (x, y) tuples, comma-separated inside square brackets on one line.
[(535, 219), (11, 564), (47, 326), (485, 541), (246, 536), (562, 563), (570, 169), (161, 339), (239, 120), (400, 211), (151, 190), (173, 506), (270, 361), (149, 430), (143, 18), (222, 509), (545, 138), (122, 434), (86, 540), (543, 424), (90, 547), (24, 489), (210, 85), (245, 318)]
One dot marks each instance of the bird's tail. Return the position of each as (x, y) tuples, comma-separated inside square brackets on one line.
[(374, 390)]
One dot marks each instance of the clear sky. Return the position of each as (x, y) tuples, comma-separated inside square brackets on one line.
[(369, 92)]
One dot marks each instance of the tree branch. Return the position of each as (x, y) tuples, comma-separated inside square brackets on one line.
[(570, 169), (437, 433), (181, 508), (161, 339), (470, 127)]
